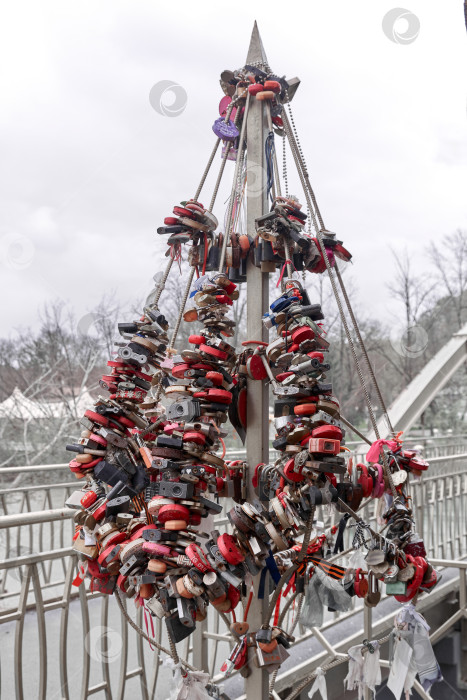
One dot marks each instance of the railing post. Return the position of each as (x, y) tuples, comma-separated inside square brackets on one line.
[(368, 633), (200, 646)]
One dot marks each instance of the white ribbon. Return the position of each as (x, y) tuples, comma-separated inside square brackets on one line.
[(192, 686), (319, 685), (364, 669)]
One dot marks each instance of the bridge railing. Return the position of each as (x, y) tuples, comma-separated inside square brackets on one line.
[(83, 638)]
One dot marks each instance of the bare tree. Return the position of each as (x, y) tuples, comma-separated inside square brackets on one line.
[(46, 377), (449, 259)]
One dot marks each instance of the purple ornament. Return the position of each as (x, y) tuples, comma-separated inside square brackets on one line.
[(227, 131)]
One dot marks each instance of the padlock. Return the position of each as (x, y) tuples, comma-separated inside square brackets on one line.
[(373, 596), (360, 584), (396, 588)]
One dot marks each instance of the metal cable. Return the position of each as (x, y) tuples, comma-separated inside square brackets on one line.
[(145, 636), (319, 237), (206, 171), (224, 159), (161, 285), (285, 576), (339, 277), (182, 307), (173, 648), (238, 162), (364, 350), (296, 692)]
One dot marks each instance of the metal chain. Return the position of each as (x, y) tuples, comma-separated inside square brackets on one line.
[(284, 165), (339, 277), (304, 168), (320, 240)]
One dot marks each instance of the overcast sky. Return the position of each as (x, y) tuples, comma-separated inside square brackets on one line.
[(89, 169)]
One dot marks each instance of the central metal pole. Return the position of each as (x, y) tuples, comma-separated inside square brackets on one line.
[(257, 440)]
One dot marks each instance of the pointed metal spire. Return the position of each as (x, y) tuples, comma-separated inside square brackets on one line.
[(256, 51)]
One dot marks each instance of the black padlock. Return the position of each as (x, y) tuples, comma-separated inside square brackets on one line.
[(264, 635), (238, 274), (298, 261), (122, 504), (213, 259), (280, 443), (175, 443), (186, 612), (175, 489), (284, 407), (109, 473), (159, 536), (176, 629)]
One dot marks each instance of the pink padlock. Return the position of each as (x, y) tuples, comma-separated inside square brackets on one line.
[(378, 488), (156, 548)]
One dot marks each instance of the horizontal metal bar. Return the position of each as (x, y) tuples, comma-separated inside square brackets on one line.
[(97, 688), (36, 558), (38, 516), (219, 637), (135, 672), (40, 487), (450, 563), (447, 458), (33, 468)]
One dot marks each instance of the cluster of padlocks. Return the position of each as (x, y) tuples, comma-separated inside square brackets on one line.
[(152, 474)]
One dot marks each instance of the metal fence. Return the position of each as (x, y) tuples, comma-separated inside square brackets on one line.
[(58, 641)]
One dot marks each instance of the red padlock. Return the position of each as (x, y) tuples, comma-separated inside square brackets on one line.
[(291, 474), (365, 480), (192, 436), (421, 566), (324, 446), (305, 409), (255, 368), (360, 584), (332, 432), (229, 549), (301, 334), (198, 558)]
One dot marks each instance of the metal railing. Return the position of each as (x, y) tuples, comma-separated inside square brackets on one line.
[(81, 644)]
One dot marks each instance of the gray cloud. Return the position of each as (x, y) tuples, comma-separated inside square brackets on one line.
[(89, 169)]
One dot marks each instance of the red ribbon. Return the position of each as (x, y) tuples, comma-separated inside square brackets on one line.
[(146, 615), (287, 262)]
